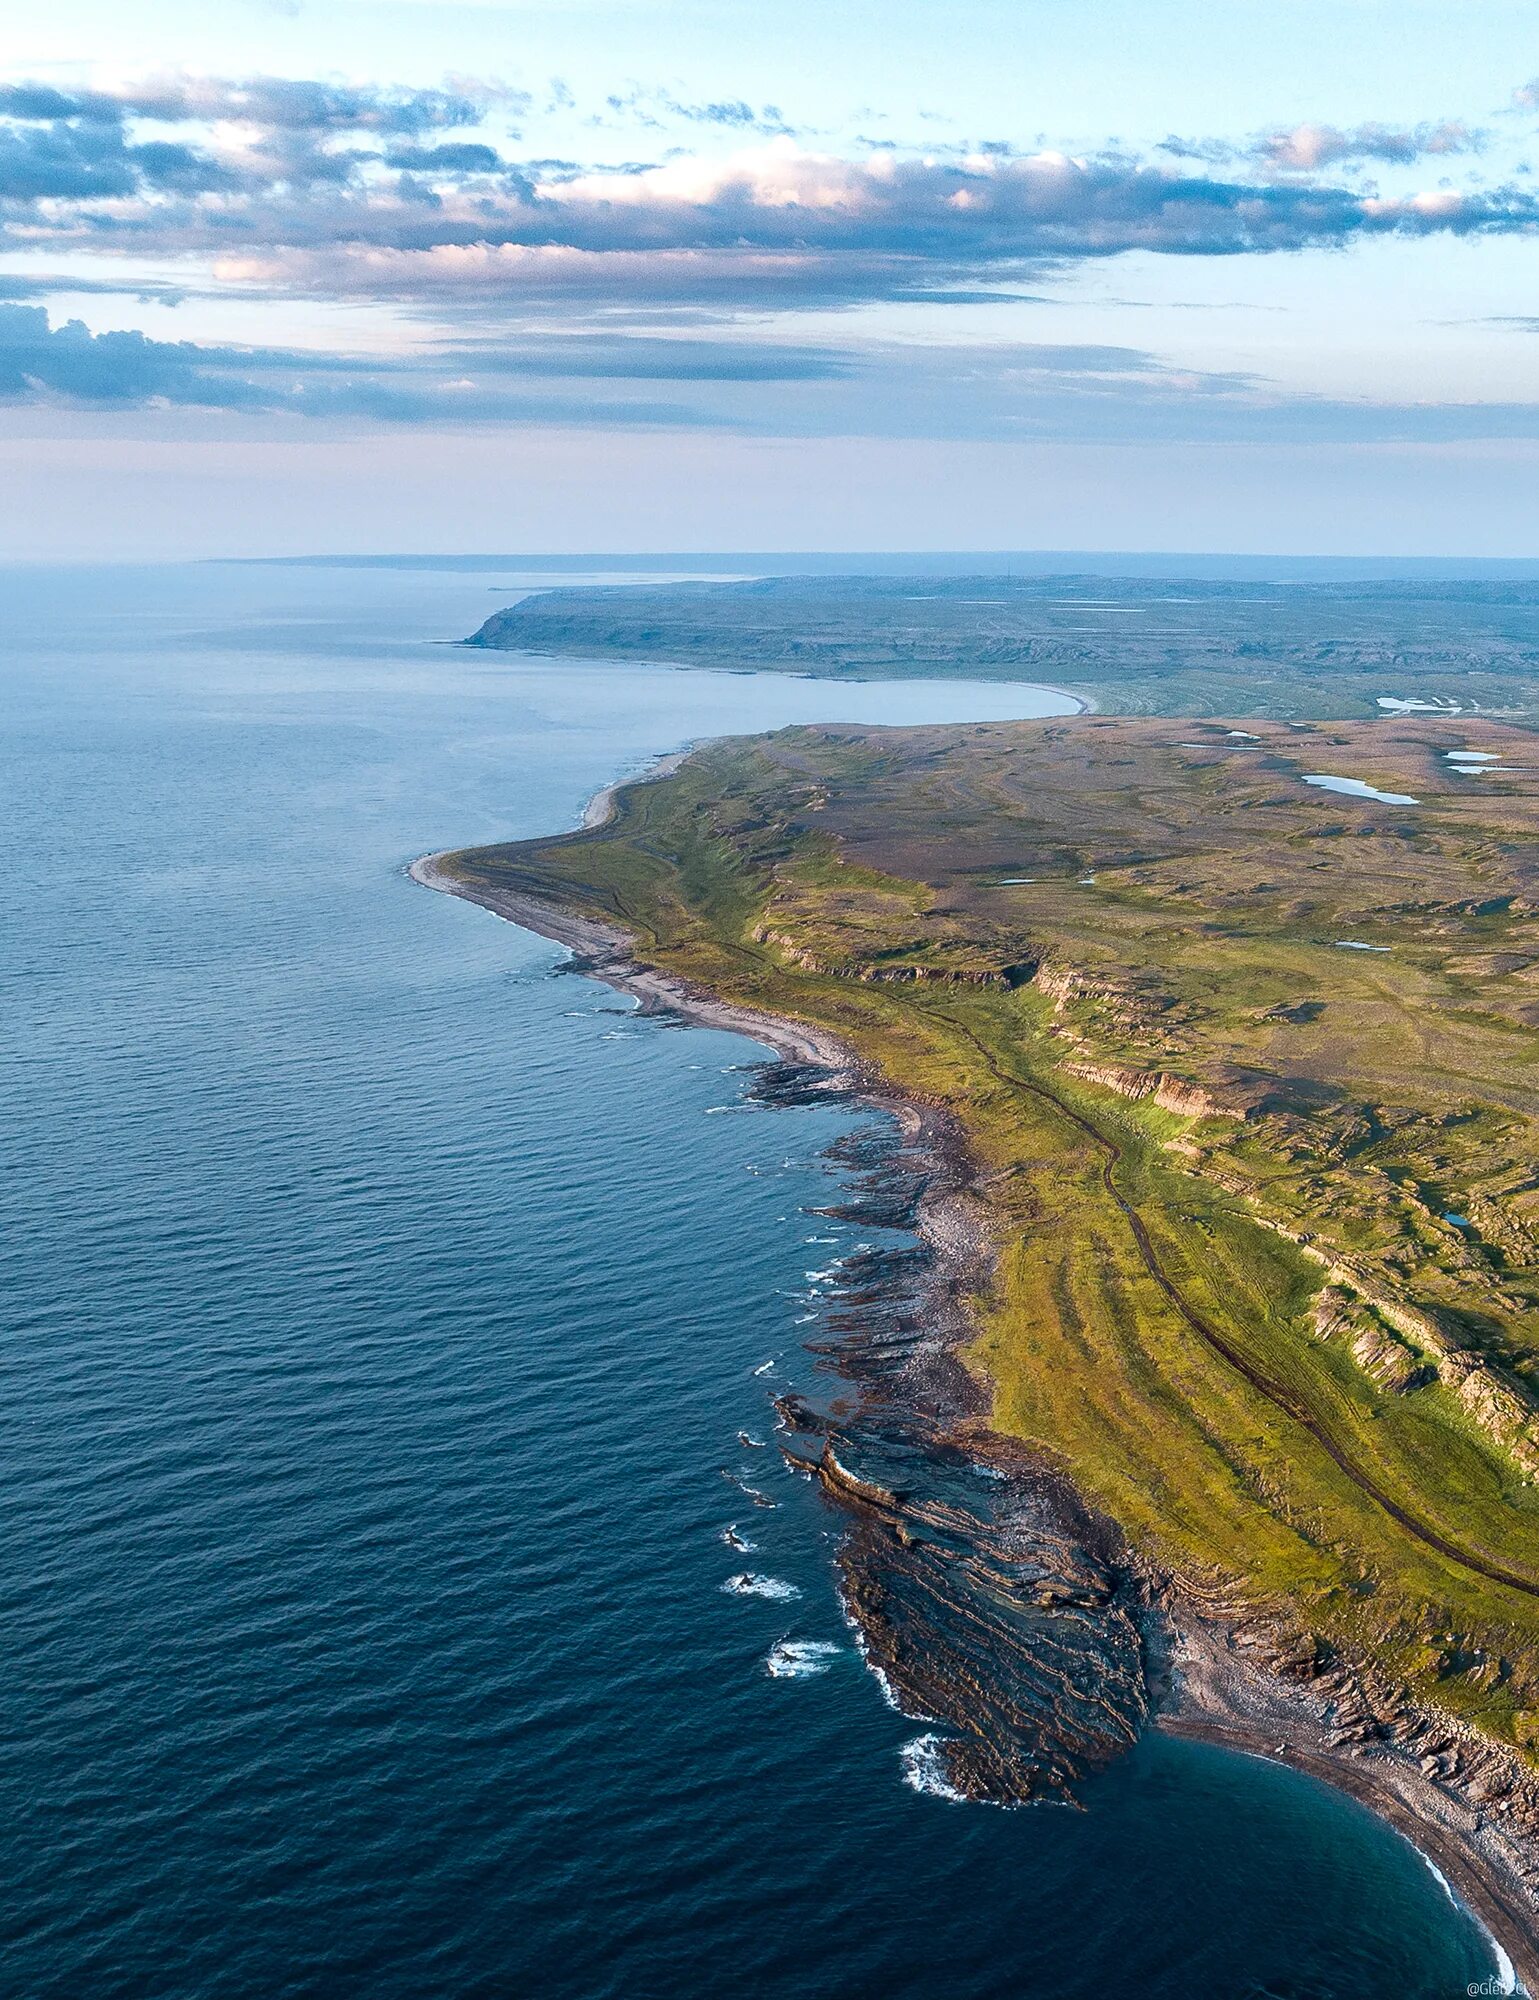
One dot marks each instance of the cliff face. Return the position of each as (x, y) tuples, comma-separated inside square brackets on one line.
[(1171, 1093), (1403, 1346), (888, 971)]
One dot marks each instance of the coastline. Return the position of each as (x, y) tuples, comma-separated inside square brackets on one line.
[(605, 955), (1216, 1674), (600, 809), (1084, 703), (1219, 1696)]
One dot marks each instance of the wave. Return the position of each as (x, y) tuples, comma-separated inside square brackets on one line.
[(874, 1666), (924, 1768), (1506, 1972), (747, 1583), (799, 1659), (735, 1539), (752, 1493), (889, 1692)]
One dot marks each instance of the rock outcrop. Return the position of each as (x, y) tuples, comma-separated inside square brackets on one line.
[(1403, 1346), (1171, 1093)]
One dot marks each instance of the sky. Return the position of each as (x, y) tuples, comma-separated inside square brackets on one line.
[(293, 276)]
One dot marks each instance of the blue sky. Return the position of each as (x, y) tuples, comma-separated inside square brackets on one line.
[(286, 275)]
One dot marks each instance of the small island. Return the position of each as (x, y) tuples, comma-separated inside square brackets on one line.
[(1229, 1087)]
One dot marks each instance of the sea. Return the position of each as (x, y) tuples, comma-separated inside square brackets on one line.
[(389, 1322)]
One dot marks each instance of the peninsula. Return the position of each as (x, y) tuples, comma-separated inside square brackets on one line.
[(1234, 1024), (1125, 645)]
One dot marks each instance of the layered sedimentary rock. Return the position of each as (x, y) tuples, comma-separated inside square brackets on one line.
[(990, 1602)]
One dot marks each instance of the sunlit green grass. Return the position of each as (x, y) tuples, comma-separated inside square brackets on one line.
[(1087, 1357)]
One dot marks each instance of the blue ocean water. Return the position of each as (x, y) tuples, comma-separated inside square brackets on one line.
[(381, 1312)]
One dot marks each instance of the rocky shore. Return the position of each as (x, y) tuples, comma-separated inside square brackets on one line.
[(985, 1595)]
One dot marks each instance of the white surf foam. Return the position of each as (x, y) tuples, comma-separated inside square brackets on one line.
[(924, 1768), (799, 1659), (747, 1583), (874, 1667), (749, 1492), (736, 1539), (1506, 1980)]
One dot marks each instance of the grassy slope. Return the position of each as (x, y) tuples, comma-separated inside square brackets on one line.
[(788, 871)]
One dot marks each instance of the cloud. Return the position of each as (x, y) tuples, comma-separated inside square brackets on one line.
[(94, 162), (1039, 391), (639, 358), (1305, 149), (765, 223), (733, 114), (251, 138), (779, 225), (466, 157), (464, 383), (274, 103), (49, 285), (654, 108), (39, 361), (1117, 395), (343, 191)]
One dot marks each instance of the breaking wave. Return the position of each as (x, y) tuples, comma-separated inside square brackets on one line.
[(924, 1768), (799, 1659), (747, 1583)]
